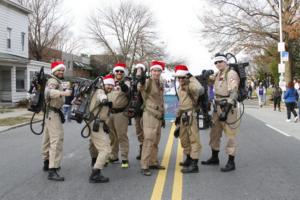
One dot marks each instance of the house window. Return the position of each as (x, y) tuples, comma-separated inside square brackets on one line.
[(20, 80), (5, 82), (23, 40), (8, 39)]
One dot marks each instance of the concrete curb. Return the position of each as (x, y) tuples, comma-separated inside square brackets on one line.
[(17, 126)]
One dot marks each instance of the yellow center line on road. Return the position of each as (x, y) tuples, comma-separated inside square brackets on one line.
[(177, 183), (162, 174)]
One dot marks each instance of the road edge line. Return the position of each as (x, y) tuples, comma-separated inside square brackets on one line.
[(279, 131)]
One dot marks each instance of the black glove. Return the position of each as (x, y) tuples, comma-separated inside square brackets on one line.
[(105, 128), (176, 132), (177, 121), (141, 79), (225, 110), (163, 123), (107, 103), (123, 86)]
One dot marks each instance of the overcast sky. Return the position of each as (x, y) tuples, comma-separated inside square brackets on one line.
[(176, 22)]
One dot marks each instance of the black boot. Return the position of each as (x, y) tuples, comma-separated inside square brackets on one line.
[(140, 152), (192, 168), (97, 177), (187, 161), (54, 176), (93, 161), (230, 166), (214, 160), (46, 165)]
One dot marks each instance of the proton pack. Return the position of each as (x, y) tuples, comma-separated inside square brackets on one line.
[(240, 70), (82, 99), (203, 101), (136, 100), (36, 91)]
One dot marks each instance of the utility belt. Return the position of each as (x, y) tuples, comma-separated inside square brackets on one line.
[(117, 110), (221, 96), (58, 111), (97, 125), (219, 102), (187, 116)]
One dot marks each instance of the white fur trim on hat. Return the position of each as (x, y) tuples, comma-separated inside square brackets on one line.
[(118, 68), (109, 81), (156, 67), (220, 58), (58, 67), (140, 65), (181, 73)]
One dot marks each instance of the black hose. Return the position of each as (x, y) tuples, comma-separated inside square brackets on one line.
[(43, 124), (240, 117), (89, 129)]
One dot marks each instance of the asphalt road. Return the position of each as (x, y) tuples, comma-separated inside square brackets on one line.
[(268, 167)]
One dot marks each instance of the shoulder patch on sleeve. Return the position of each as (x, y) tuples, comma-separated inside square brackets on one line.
[(52, 84)]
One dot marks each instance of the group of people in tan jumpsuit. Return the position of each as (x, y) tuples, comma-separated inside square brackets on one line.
[(110, 125)]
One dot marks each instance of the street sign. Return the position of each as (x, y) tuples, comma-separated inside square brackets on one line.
[(284, 56), (281, 46), (281, 68)]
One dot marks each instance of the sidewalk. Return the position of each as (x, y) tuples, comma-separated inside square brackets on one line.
[(273, 119), (15, 117)]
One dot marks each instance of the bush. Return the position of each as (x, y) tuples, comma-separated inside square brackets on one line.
[(23, 103)]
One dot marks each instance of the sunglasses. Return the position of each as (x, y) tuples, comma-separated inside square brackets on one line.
[(119, 71), (218, 62), (181, 77)]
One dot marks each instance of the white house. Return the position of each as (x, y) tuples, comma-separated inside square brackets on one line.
[(15, 68)]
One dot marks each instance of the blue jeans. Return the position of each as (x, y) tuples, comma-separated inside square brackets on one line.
[(67, 112)]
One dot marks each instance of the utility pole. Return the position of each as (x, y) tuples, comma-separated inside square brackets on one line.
[(281, 48)]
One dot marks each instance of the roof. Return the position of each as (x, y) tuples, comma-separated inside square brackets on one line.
[(17, 6), (82, 66), (4, 57)]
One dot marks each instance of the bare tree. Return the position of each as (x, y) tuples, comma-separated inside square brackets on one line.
[(251, 25), (123, 30), (45, 26), (68, 43)]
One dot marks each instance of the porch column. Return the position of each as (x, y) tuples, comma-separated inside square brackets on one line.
[(13, 83)]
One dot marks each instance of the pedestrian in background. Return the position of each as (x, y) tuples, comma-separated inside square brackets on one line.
[(261, 92), (297, 87), (250, 89), (276, 96), (290, 98)]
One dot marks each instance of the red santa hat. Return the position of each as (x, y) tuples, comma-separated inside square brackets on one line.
[(109, 79), (140, 65), (119, 66), (181, 70), (157, 65), (57, 65)]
